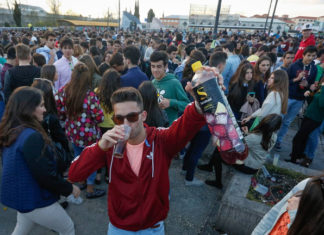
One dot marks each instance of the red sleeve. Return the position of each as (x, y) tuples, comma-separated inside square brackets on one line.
[(182, 130), (91, 159)]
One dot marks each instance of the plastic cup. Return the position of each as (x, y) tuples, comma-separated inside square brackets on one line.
[(120, 146)]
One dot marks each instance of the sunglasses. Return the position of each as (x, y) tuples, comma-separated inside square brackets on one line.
[(131, 117)]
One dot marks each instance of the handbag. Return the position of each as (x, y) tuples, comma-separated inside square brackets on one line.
[(63, 156)]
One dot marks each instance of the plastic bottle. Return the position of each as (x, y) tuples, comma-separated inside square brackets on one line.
[(218, 113)]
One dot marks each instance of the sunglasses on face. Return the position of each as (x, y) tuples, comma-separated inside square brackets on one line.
[(131, 117)]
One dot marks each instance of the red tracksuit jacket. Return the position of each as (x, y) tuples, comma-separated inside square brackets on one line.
[(139, 202), (303, 44)]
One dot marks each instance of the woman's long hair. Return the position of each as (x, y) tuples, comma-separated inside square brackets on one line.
[(257, 75), (310, 214), (150, 104), (46, 87), (269, 124), (89, 62), (48, 72), (281, 85), (110, 82), (19, 114), (76, 90), (195, 56)]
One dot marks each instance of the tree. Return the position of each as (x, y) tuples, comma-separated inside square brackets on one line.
[(17, 14), (136, 11), (150, 16), (54, 6)]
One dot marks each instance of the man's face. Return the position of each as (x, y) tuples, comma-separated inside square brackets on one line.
[(116, 47), (288, 59), (208, 45), (128, 107), (306, 33), (155, 45), (50, 42), (158, 69), (67, 51), (309, 57), (98, 44), (172, 55)]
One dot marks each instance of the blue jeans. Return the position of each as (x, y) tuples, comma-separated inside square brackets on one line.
[(293, 108), (77, 152), (196, 148), (312, 142), (112, 230)]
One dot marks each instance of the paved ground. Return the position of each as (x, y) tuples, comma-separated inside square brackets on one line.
[(192, 209)]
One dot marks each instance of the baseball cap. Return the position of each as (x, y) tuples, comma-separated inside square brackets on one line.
[(306, 27)]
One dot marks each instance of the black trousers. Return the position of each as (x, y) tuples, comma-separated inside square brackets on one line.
[(300, 140)]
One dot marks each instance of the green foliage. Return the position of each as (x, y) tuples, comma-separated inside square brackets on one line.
[(17, 14), (6, 24), (150, 16)]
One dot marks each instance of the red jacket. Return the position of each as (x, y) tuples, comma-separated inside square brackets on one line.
[(303, 44), (139, 202)]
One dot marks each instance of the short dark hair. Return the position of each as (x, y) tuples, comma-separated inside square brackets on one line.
[(94, 51), (310, 49), (116, 59), (99, 39), (11, 53), (171, 48), (39, 59), (117, 42), (92, 42), (189, 48), (133, 54), (65, 41), (127, 94), (320, 52), (49, 34), (159, 55), (162, 47), (84, 45), (263, 48), (288, 53), (229, 46), (217, 58)]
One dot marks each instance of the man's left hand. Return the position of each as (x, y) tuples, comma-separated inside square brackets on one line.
[(164, 104)]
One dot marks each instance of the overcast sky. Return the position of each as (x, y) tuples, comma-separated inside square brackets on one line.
[(98, 8)]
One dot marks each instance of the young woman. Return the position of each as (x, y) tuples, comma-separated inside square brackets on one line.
[(259, 142), (277, 99), (117, 62), (94, 73), (155, 116), (261, 74), (27, 149), (238, 90), (79, 107), (104, 66), (49, 72)]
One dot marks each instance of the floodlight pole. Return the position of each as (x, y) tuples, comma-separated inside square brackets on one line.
[(273, 14), (118, 15), (217, 18), (265, 26)]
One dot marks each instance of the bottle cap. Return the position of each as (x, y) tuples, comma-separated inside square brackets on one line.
[(196, 66)]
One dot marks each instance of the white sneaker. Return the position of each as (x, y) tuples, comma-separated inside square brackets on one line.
[(194, 182)]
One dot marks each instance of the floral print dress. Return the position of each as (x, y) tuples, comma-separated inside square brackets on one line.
[(82, 130)]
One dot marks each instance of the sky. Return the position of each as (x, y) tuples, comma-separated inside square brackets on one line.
[(99, 8)]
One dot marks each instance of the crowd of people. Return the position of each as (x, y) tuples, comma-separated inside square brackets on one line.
[(65, 98)]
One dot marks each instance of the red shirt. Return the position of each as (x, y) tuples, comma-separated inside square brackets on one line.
[(139, 202), (303, 44)]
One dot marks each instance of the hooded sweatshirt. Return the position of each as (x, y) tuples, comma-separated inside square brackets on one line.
[(169, 87), (45, 51), (310, 41), (19, 76)]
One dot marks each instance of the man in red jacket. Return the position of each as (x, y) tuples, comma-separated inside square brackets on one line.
[(139, 181), (308, 40)]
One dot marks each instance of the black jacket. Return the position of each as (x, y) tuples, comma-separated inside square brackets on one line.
[(19, 76)]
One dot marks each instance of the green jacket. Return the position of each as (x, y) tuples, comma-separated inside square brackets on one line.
[(315, 110), (169, 87)]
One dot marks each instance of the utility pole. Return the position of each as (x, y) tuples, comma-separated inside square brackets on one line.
[(265, 26), (119, 15), (273, 14), (217, 18)]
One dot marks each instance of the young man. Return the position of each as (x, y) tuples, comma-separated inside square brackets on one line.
[(21, 75), (302, 75), (65, 65), (287, 60), (116, 46), (11, 62), (320, 57), (260, 52), (48, 51), (307, 40), (134, 76), (100, 46), (138, 199), (173, 97), (232, 63), (173, 63)]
